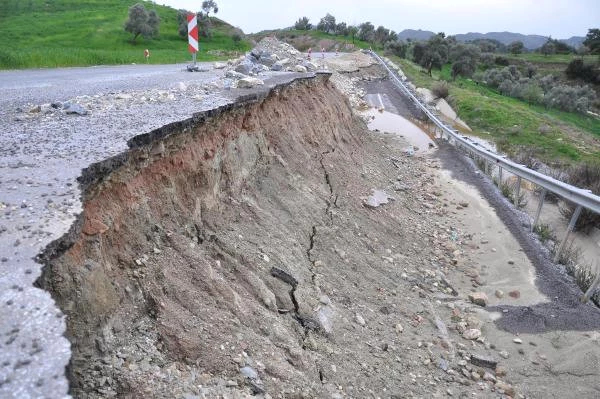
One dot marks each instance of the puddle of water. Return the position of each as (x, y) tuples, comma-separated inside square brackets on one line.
[(387, 122)]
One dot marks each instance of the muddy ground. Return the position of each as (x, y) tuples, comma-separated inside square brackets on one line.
[(240, 258)]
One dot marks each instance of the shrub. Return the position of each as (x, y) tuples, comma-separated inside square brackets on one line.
[(570, 98), (440, 90), (577, 69), (544, 232), (500, 60), (584, 176), (397, 48)]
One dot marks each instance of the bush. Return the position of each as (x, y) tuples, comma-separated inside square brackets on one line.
[(500, 60), (397, 48), (583, 176), (440, 90), (577, 69), (570, 98)]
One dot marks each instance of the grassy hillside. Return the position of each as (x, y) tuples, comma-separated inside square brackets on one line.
[(552, 135), (303, 39), (53, 33), (554, 64)]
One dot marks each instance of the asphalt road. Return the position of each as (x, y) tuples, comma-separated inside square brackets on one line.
[(48, 85)]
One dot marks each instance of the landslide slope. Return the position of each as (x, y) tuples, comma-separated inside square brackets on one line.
[(231, 254)]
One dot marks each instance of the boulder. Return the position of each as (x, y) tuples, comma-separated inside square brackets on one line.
[(267, 59), (249, 82), (300, 68), (74, 108), (245, 67), (235, 75)]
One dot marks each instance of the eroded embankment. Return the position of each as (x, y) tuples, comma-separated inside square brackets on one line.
[(197, 242)]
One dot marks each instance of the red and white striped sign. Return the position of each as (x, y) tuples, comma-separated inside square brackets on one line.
[(192, 33)]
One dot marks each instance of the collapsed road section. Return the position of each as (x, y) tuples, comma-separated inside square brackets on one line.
[(238, 253)]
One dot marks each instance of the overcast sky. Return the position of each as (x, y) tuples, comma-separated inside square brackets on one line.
[(557, 18)]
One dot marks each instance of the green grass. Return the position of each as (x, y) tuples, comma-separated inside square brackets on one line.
[(313, 37), (513, 124), (54, 33)]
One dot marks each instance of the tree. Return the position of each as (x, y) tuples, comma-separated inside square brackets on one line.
[(208, 6), (237, 38), (383, 35), (592, 41), (548, 48), (432, 54), (396, 47), (142, 22), (516, 47), (352, 32), (341, 29), (366, 31), (303, 24), (327, 24), (464, 59)]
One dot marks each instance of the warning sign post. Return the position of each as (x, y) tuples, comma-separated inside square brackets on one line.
[(192, 21)]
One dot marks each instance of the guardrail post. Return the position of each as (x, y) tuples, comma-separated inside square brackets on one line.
[(499, 176), (569, 230), (539, 209), (518, 192)]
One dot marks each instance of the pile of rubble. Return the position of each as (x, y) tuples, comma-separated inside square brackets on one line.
[(269, 55)]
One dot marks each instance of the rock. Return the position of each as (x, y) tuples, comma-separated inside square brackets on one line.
[(471, 333), (267, 59), (249, 372), (516, 294), (219, 65), (310, 66), (245, 67), (399, 328), (500, 371), (359, 320), (517, 341), (487, 376), (506, 387), (276, 67), (499, 294), (300, 68), (249, 82), (56, 105), (479, 298), (379, 197), (483, 361), (234, 75), (35, 109), (74, 108), (94, 226), (504, 354)]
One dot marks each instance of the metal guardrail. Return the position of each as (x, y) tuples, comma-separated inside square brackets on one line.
[(580, 197)]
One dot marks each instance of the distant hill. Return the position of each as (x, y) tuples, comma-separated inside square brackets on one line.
[(415, 34), (531, 42)]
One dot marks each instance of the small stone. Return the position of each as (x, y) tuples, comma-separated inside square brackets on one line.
[(471, 334), (487, 376), (399, 328), (499, 294), (249, 372), (511, 262), (231, 384), (483, 361), (479, 298), (514, 294), (517, 341), (507, 388), (359, 320), (504, 354), (500, 371)]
